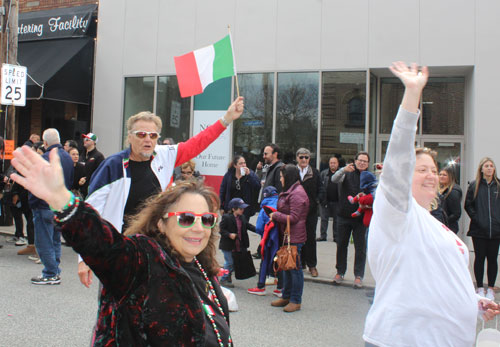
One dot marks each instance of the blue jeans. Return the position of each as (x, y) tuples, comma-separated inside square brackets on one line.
[(228, 264), (293, 280), (47, 242)]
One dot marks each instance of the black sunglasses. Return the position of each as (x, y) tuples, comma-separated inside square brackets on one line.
[(303, 157)]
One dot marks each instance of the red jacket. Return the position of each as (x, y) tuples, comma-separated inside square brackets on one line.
[(294, 203)]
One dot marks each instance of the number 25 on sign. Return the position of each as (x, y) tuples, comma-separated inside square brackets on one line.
[(13, 85)]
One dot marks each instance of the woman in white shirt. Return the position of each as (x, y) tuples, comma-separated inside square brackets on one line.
[(425, 295)]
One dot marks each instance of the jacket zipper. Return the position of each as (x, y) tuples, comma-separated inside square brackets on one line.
[(489, 206)]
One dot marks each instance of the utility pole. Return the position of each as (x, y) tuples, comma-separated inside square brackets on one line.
[(8, 55)]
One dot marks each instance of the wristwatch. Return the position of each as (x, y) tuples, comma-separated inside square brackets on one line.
[(224, 122)]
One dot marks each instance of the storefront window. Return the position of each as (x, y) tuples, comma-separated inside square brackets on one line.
[(139, 96), (254, 129), (443, 106), (297, 114), (343, 114), (172, 109), (390, 99)]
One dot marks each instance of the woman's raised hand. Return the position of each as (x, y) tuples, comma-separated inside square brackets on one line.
[(410, 76), (43, 179), (413, 80)]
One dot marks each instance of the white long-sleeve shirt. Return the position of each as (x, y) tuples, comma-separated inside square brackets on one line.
[(424, 292)]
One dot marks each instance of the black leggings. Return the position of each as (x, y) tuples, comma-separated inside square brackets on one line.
[(485, 249)]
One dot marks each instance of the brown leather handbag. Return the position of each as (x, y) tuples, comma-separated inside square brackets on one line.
[(286, 256)]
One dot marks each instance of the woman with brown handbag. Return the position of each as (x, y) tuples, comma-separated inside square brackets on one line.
[(293, 204)]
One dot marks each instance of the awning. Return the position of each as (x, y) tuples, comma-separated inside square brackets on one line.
[(58, 69)]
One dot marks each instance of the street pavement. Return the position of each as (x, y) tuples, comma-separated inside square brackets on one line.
[(63, 315)]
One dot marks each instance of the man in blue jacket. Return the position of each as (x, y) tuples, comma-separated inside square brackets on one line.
[(47, 239)]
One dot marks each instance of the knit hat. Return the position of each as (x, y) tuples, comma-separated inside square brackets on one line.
[(90, 136)]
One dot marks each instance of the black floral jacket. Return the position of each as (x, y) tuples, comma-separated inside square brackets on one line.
[(147, 298)]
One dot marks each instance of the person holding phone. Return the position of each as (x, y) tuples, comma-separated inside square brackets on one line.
[(348, 179), (239, 182)]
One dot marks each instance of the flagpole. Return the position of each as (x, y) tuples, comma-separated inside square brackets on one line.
[(234, 62)]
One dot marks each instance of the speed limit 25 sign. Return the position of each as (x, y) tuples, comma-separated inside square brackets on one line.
[(13, 85)]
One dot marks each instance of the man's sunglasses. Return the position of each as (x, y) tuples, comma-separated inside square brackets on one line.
[(187, 219), (303, 157), (153, 135)]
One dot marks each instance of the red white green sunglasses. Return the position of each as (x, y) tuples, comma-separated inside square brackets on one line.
[(186, 219)]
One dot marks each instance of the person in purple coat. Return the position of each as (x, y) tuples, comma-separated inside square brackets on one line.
[(292, 203)]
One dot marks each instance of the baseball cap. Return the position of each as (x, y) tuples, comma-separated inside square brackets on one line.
[(90, 136), (237, 203), (269, 191)]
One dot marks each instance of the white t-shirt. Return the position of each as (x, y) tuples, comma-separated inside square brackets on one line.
[(424, 293)]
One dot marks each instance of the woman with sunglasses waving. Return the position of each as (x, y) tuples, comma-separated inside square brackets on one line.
[(425, 295), (158, 279)]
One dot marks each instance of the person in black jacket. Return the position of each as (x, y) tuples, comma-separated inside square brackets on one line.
[(330, 203), (233, 236), (451, 197), (79, 171), (239, 182), (16, 197), (270, 172), (482, 204), (92, 159), (349, 178), (311, 182)]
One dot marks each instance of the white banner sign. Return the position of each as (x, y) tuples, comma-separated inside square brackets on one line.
[(357, 138), (213, 160), (13, 85)]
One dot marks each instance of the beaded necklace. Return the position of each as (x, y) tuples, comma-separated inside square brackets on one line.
[(207, 309)]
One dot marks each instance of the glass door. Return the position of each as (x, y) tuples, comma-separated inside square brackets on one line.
[(448, 153)]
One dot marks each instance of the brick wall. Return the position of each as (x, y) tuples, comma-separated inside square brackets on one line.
[(40, 5)]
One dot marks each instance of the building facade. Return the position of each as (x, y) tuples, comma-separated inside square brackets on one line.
[(314, 73), (56, 44)]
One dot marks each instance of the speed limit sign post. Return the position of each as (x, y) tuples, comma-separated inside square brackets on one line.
[(13, 90)]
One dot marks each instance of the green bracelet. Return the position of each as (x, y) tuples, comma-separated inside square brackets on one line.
[(70, 203)]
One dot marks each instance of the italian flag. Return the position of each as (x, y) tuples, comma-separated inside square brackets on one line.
[(197, 69)]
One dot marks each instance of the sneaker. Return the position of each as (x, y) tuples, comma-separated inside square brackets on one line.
[(33, 257), (277, 292), (21, 241), (338, 279), (226, 283), (358, 283), (38, 261), (46, 280), (490, 294), (481, 291), (256, 255), (28, 250), (257, 291), (11, 239)]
